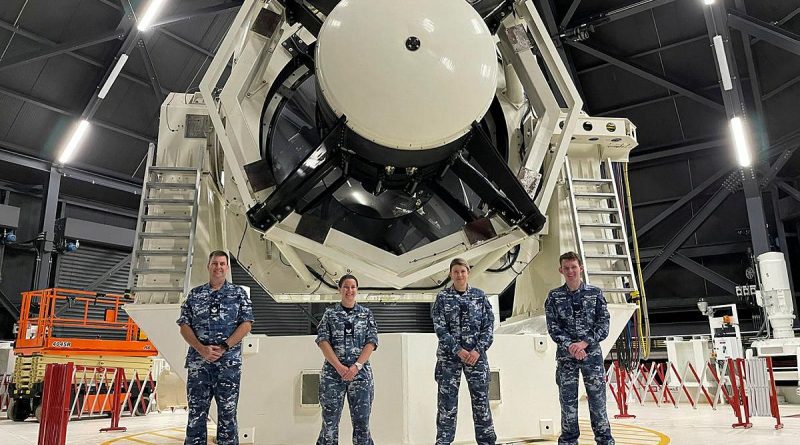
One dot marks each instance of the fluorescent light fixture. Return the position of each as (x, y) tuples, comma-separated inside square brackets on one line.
[(722, 62), (150, 14), (113, 76), (708, 2), (74, 141), (740, 142)]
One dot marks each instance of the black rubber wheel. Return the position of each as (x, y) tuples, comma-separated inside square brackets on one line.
[(19, 409)]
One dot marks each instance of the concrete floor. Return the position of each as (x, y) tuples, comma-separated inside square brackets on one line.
[(652, 426)]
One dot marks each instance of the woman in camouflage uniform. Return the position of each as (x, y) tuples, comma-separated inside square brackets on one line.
[(347, 335)]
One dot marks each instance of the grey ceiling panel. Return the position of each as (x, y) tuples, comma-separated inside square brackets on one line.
[(39, 129)]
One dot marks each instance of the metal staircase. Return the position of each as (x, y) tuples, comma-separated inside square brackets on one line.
[(162, 252), (600, 232)]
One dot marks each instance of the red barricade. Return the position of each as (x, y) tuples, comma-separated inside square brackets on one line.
[(55, 404)]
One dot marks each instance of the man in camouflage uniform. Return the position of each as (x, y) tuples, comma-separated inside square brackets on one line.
[(464, 322), (347, 335), (214, 319), (577, 320)]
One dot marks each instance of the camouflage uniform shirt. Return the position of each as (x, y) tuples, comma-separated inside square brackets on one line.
[(462, 321), (573, 316), (348, 331), (213, 315)]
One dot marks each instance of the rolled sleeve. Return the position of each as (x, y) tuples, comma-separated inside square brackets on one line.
[(323, 329), (372, 331)]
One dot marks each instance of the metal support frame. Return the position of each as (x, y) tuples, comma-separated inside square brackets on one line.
[(151, 70), (699, 251), (704, 272), (570, 12), (647, 53), (764, 31), (41, 103), (114, 269), (645, 74), (755, 87), (8, 305), (735, 106), (685, 232), (47, 42), (791, 191), (210, 10), (681, 202), (548, 15), (657, 153), (68, 171), (62, 48), (49, 210), (604, 18), (731, 183), (784, 246)]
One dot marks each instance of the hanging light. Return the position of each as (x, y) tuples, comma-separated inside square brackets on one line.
[(74, 142), (740, 142), (150, 14)]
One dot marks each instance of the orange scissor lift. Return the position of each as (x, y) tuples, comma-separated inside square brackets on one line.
[(85, 328)]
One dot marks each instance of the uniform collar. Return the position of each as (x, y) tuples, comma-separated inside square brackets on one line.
[(466, 291), (581, 287), (207, 286), (340, 308)]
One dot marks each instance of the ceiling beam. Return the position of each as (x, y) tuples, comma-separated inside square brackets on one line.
[(41, 103), (62, 48), (47, 42), (604, 18), (570, 12), (210, 10), (681, 202), (151, 70), (704, 272), (648, 52), (42, 165), (765, 31), (645, 74), (658, 153)]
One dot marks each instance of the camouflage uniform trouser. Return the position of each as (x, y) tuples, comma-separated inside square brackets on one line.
[(204, 383), (448, 376), (594, 379), (360, 392)]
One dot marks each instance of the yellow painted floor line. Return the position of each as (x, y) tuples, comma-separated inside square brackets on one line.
[(167, 436)]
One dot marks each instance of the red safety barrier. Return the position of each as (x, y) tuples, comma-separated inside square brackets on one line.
[(55, 404), (136, 401), (747, 385), (116, 403), (621, 394), (773, 396)]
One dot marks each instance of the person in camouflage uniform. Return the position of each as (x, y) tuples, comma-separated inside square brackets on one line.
[(464, 322), (577, 320), (347, 335), (214, 319)]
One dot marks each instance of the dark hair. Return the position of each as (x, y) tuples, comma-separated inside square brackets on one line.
[(217, 253), (569, 256), (459, 262), (347, 277)]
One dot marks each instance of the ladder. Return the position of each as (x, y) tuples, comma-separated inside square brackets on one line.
[(600, 232), (161, 262)]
